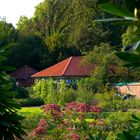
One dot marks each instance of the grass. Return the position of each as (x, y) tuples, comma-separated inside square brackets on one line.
[(32, 116), (30, 110)]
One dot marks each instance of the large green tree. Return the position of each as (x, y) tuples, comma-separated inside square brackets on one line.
[(29, 50), (66, 24), (8, 33), (10, 120)]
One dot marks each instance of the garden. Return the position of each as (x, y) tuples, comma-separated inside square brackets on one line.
[(92, 109), (80, 114)]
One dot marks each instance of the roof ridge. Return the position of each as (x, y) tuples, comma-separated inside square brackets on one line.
[(67, 65)]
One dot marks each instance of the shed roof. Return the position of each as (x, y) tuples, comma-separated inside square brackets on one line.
[(23, 72), (130, 88), (70, 67)]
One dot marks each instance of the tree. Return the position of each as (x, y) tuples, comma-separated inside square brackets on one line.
[(129, 14), (29, 50), (10, 125), (107, 67), (67, 24), (8, 33)]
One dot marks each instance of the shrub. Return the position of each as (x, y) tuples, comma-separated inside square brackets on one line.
[(31, 120), (30, 102), (40, 89), (83, 94), (51, 107), (65, 94), (80, 119), (10, 120), (41, 128), (109, 102), (51, 89), (21, 93)]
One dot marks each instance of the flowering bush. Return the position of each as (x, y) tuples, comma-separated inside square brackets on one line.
[(41, 128), (95, 109), (71, 106), (77, 121), (74, 136), (51, 107), (82, 107)]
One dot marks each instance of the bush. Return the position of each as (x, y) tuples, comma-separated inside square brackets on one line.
[(65, 94), (78, 118), (40, 89), (83, 94), (109, 101), (31, 120), (51, 90), (30, 102), (21, 93)]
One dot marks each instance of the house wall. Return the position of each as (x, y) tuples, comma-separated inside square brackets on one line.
[(68, 80)]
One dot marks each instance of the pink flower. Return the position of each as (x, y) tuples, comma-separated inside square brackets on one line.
[(51, 107), (70, 128), (78, 107), (39, 130), (82, 107), (74, 136), (42, 123), (71, 106), (95, 109)]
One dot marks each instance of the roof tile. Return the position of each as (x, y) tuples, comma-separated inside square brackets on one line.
[(71, 66)]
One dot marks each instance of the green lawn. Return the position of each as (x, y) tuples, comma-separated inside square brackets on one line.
[(30, 110)]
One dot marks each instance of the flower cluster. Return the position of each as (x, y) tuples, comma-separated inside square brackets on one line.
[(95, 109), (71, 106), (82, 107), (41, 128), (51, 107), (74, 136)]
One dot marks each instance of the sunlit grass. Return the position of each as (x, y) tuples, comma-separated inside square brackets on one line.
[(30, 110)]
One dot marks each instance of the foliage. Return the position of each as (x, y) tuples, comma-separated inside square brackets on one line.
[(31, 118), (63, 27), (110, 101), (130, 15), (30, 102), (21, 92), (29, 50), (65, 94), (8, 33), (85, 91), (51, 92), (10, 126), (133, 132), (40, 89), (51, 88), (107, 67)]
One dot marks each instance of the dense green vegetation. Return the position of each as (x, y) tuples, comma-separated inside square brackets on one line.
[(10, 121)]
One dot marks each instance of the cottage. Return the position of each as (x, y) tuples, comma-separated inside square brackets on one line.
[(70, 69), (23, 76)]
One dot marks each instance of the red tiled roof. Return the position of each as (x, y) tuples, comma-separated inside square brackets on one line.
[(71, 66), (23, 73)]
